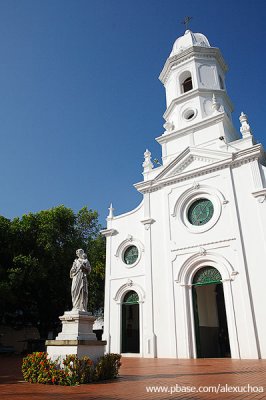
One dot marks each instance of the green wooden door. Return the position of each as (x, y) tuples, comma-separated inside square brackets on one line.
[(211, 337), (130, 323)]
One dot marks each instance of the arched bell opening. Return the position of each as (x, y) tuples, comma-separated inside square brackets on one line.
[(187, 85), (185, 82)]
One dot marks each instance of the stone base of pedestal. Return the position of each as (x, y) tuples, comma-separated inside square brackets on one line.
[(90, 348), (76, 337)]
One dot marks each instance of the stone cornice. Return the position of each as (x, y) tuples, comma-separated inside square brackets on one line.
[(199, 153), (198, 246), (197, 92), (260, 192), (147, 223), (233, 160), (252, 153), (260, 195), (194, 51), (192, 128), (108, 232)]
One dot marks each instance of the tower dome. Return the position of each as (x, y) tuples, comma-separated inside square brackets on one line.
[(189, 39)]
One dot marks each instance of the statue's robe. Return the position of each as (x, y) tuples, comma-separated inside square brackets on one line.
[(79, 288)]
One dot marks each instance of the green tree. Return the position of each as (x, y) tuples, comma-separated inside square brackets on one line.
[(6, 295), (37, 253)]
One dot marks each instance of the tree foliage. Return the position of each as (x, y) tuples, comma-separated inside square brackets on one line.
[(36, 254)]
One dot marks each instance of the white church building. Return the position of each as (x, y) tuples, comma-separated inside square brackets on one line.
[(185, 269)]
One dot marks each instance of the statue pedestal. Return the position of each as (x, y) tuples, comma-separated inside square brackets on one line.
[(76, 337), (76, 325)]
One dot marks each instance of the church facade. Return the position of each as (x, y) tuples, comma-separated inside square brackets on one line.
[(184, 270)]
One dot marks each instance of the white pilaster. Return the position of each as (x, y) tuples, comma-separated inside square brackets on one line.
[(149, 347)]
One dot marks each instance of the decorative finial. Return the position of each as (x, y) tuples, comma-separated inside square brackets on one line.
[(111, 212), (245, 127), (215, 104), (147, 164), (186, 21)]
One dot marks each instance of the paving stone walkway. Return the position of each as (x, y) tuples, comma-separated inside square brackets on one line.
[(137, 375)]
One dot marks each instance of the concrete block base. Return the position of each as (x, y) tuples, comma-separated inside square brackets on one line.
[(90, 348)]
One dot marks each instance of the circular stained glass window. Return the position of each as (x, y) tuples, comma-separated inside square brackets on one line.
[(131, 255), (200, 212)]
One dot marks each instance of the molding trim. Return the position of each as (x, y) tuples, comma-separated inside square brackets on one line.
[(187, 198), (108, 232), (197, 246), (193, 51), (260, 195), (209, 121), (129, 241), (147, 223), (189, 160), (234, 160), (213, 155), (197, 261), (129, 212), (197, 92), (128, 286)]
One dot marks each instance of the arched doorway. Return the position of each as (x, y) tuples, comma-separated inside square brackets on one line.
[(210, 322), (130, 323)]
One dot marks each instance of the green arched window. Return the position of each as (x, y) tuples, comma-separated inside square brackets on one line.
[(207, 276), (131, 298)]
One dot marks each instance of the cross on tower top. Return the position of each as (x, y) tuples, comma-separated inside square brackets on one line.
[(186, 21)]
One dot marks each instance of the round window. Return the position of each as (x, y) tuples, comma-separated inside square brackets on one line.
[(131, 255), (200, 212), (189, 114)]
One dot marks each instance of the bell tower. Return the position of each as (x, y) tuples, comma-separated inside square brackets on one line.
[(198, 109)]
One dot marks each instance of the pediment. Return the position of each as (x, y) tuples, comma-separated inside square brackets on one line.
[(192, 159)]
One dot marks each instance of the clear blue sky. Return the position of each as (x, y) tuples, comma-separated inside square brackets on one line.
[(80, 99)]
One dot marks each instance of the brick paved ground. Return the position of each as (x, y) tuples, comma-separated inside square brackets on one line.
[(136, 374)]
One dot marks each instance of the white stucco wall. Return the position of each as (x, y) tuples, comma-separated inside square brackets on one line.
[(202, 158)]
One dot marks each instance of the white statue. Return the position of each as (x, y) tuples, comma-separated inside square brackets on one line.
[(78, 273)]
